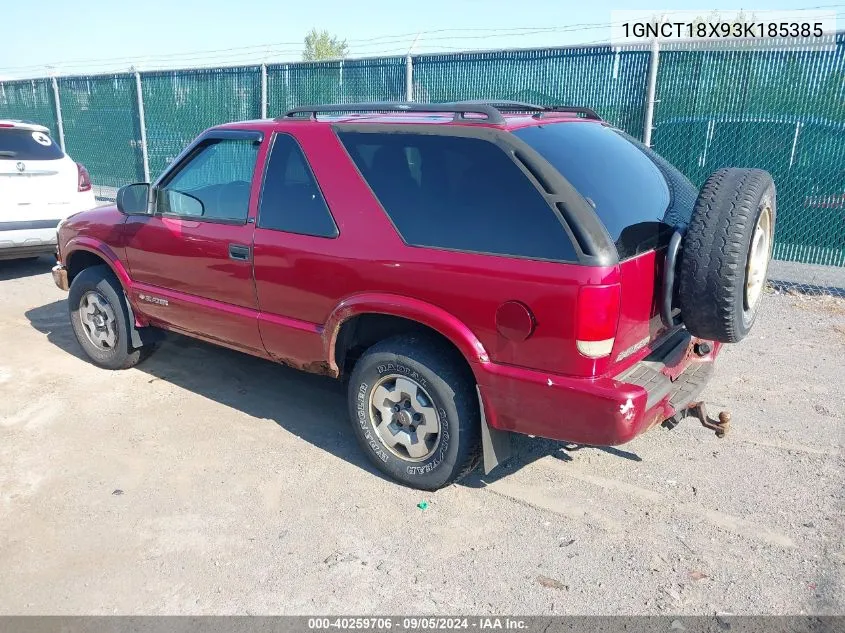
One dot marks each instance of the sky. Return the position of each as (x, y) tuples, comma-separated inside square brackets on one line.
[(97, 36)]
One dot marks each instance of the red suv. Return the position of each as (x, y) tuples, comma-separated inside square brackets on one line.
[(472, 269)]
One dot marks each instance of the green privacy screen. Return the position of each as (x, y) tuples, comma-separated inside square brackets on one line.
[(780, 110), (179, 105), (102, 128), (611, 82), (30, 100), (347, 81)]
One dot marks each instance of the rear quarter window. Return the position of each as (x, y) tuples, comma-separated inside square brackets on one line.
[(458, 193), (638, 196), (22, 144)]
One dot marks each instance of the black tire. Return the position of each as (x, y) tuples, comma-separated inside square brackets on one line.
[(443, 376), (715, 253), (120, 355)]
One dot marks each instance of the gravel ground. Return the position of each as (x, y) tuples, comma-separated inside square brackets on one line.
[(206, 481)]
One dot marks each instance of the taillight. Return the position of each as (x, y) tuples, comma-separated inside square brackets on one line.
[(84, 178), (596, 319)]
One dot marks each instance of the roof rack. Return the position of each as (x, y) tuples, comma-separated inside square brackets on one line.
[(587, 113), (460, 110), (491, 110), (539, 110)]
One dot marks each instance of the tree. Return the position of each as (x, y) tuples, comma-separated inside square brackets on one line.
[(322, 45)]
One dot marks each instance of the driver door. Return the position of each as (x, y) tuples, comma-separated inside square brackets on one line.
[(191, 258)]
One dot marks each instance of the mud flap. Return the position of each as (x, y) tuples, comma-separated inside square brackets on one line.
[(495, 444), (139, 337)]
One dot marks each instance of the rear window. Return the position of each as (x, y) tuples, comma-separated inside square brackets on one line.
[(458, 193), (637, 194), (21, 144)]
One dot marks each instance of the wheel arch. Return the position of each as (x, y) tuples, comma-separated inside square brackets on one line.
[(362, 321), (81, 253)]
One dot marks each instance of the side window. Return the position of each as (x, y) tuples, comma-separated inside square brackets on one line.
[(291, 200), (214, 185), (458, 193), (638, 196)]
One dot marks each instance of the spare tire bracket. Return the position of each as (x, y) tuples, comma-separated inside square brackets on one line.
[(668, 297)]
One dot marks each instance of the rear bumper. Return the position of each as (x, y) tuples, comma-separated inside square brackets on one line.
[(30, 250), (27, 238), (603, 411), (32, 228)]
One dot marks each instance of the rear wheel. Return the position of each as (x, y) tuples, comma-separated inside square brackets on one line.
[(725, 254), (99, 316), (415, 411)]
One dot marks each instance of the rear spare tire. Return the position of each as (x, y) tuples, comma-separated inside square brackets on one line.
[(725, 254)]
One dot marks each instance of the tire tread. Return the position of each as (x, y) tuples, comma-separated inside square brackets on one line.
[(715, 249), (449, 366)]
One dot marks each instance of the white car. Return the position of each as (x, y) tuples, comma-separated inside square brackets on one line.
[(39, 186)]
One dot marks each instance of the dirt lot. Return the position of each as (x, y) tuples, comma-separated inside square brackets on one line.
[(206, 481)]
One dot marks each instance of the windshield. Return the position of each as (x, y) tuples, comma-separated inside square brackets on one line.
[(637, 194), (24, 144)]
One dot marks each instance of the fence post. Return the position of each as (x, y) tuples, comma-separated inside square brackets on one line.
[(409, 78), (142, 119), (59, 123), (288, 100), (263, 91), (652, 88)]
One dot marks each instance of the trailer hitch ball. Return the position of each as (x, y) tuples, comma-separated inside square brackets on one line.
[(720, 426), (697, 410)]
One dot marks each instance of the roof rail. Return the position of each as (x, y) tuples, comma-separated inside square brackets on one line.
[(460, 110), (505, 105), (539, 110), (587, 113), (491, 110)]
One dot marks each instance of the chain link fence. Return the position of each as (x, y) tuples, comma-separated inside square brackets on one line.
[(102, 128), (346, 81), (782, 110), (31, 100), (611, 81)]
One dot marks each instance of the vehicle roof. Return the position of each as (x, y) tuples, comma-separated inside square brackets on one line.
[(23, 125), (511, 121)]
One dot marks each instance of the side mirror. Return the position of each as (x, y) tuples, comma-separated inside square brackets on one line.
[(134, 199)]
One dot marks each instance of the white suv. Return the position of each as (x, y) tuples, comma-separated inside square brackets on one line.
[(39, 186)]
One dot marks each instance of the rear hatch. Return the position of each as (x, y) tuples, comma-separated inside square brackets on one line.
[(37, 180), (639, 197)]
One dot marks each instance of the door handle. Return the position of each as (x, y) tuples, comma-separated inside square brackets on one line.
[(239, 252)]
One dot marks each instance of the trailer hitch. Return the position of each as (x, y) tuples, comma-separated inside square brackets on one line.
[(698, 410)]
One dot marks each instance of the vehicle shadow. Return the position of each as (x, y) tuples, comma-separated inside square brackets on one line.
[(20, 268), (309, 406), (526, 450)]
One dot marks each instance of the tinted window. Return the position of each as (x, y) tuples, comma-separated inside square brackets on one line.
[(18, 144), (215, 184), (458, 193), (291, 200), (638, 196)]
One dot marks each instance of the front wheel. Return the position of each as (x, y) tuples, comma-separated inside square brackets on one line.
[(415, 412), (100, 319)]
